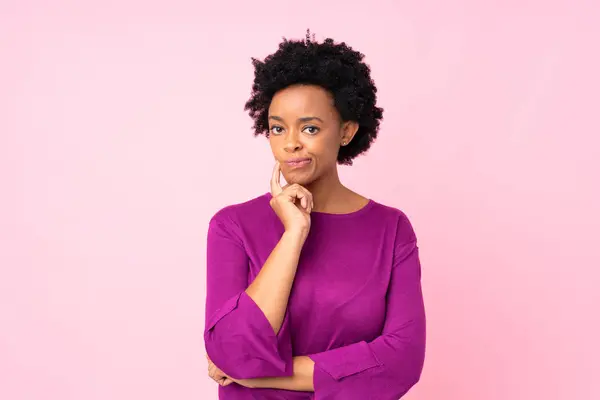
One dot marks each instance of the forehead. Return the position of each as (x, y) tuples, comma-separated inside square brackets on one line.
[(303, 100)]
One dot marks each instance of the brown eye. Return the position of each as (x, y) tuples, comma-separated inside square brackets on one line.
[(312, 130), (276, 130)]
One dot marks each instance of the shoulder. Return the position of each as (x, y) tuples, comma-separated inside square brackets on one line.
[(397, 220), (239, 214)]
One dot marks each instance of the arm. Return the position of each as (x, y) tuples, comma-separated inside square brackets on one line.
[(385, 368), (390, 365), (271, 288), (246, 332), (301, 379)]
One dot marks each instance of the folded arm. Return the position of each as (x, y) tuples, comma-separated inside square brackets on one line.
[(247, 331), (386, 367)]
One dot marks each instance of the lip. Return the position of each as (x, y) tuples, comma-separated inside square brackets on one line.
[(298, 162)]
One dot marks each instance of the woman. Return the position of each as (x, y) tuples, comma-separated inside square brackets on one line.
[(313, 290)]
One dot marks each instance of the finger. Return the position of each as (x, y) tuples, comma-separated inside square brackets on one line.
[(225, 381), (209, 362), (302, 194), (276, 180), (219, 377), (311, 200), (215, 373), (219, 374)]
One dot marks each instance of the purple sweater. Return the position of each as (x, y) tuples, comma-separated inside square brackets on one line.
[(356, 306)]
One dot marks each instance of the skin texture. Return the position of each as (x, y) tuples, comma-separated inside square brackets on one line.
[(290, 136), (335, 66), (303, 123)]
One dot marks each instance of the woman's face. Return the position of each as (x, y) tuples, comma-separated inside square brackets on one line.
[(305, 132)]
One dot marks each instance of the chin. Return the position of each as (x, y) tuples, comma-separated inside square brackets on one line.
[(300, 179)]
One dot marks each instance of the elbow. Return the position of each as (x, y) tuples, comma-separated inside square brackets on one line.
[(404, 380), (405, 368), (242, 357), (414, 370), (240, 342), (416, 355), (414, 378)]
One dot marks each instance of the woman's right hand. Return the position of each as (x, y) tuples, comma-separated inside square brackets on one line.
[(292, 204)]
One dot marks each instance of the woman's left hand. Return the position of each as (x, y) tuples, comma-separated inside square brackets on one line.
[(217, 375)]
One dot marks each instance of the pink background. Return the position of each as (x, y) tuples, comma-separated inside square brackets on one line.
[(122, 130)]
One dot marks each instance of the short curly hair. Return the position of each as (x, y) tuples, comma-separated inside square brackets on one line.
[(335, 67)]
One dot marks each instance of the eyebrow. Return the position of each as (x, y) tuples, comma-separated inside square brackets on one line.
[(301, 119)]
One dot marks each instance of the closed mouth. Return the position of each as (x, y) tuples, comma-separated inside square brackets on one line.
[(297, 162)]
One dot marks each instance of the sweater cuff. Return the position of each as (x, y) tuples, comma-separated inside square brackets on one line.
[(241, 341), (334, 365)]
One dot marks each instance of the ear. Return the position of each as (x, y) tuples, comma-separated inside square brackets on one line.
[(349, 129)]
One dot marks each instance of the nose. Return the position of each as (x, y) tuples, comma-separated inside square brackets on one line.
[(292, 142)]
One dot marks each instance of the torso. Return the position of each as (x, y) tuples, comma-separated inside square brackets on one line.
[(339, 291)]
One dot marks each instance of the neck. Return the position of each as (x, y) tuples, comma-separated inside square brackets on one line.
[(327, 191)]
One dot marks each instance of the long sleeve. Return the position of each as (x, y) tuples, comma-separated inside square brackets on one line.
[(238, 337), (387, 367)]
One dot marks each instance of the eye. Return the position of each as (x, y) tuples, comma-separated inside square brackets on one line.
[(276, 130), (312, 130)]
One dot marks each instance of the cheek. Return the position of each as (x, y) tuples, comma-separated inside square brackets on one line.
[(327, 151)]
